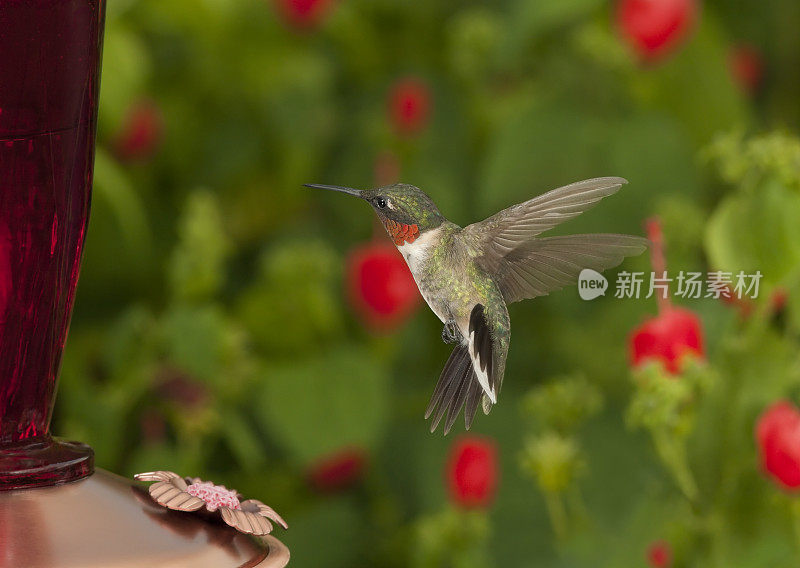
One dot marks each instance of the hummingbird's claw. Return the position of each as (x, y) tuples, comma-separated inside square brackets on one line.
[(450, 333)]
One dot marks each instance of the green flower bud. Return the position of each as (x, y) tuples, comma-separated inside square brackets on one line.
[(196, 272), (553, 460), (562, 404)]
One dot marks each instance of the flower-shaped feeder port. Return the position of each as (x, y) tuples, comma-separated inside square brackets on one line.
[(172, 491)]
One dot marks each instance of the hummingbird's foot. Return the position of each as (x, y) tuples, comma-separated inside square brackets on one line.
[(450, 333)]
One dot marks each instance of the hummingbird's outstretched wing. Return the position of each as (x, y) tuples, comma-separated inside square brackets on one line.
[(544, 265), (505, 231), (525, 267), (474, 368)]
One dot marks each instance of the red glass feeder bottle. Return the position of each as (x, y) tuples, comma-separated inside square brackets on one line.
[(54, 509), (49, 78)]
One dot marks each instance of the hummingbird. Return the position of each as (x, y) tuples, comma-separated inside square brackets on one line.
[(468, 275)]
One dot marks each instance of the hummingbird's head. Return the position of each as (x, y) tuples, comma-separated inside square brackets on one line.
[(405, 210)]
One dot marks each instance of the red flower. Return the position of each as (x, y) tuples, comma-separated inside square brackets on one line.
[(659, 554), (655, 27), (381, 285), (409, 106), (666, 338), (303, 14), (338, 471), (778, 440), (141, 132), (674, 331), (746, 67), (472, 471)]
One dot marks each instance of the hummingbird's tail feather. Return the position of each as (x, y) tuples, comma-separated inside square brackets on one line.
[(457, 387), (455, 360), (487, 404), (473, 400), (457, 402), (481, 351), (456, 380)]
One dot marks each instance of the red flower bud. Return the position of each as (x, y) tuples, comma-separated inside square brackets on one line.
[(472, 471), (659, 554), (141, 132), (409, 106), (338, 471), (744, 305), (778, 300), (746, 67), (182, 389), (303, 14), (153, 426), (666, 338), (654, 28), (778, 440), (381, 286)]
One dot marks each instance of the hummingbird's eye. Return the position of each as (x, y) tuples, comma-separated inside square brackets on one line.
[(381, 202)]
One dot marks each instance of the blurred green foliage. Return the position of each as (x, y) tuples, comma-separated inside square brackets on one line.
[(212, 336)]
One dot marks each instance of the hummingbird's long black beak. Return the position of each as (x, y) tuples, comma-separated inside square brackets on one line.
[(347, 190)]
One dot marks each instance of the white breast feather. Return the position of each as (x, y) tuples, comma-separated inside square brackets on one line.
[(415, 254)]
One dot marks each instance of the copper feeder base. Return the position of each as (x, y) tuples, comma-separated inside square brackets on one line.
[(106, 520)]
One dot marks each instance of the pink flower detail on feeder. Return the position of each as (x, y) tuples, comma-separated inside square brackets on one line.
[(215, 496), (193, 494)]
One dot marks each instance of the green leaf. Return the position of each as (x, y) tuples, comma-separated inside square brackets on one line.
[(756, 230), (194, 340), (535, 149), (113, 186), (296, 301), (119, 228), (473, 37), (764, 365), (548, 145), (337, 529), (126, 67), (326, 402), (694, 85), (531, 20), (539, 16), (242, 440)]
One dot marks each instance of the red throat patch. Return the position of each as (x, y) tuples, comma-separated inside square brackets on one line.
[(401, 233)]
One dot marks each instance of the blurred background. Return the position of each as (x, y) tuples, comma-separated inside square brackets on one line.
[(233, 325)]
